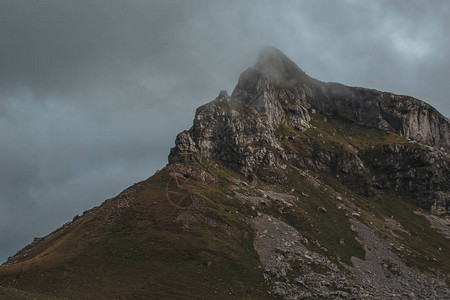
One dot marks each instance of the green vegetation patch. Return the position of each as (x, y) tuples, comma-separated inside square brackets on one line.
[(428, 249), (329, 228), (332, 134)]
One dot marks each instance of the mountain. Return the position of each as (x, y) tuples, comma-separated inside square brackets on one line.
[(290, 188)]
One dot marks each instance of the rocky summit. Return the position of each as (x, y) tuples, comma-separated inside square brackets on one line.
[(290, 188), (275, 100)]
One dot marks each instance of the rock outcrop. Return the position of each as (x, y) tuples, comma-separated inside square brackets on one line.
[(236, 135), (420, 175), (409, 117), (240, 131), (276, 77)]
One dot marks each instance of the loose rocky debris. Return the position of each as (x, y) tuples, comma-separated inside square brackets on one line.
[(396, 224), (296, 272), (442, 224), (266, 197), (384, 275)]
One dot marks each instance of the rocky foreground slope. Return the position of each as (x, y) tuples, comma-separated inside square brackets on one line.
[(290, 188)]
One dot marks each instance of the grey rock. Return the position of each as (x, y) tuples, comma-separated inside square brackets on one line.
[(275, 77), (321, 209), (238, 131)]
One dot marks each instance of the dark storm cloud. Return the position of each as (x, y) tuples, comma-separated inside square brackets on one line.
[(92, 93)]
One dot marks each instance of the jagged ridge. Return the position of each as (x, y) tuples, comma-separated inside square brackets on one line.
[(239, 131)]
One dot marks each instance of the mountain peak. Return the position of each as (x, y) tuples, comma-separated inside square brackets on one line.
[(270, 53), (277, 67)]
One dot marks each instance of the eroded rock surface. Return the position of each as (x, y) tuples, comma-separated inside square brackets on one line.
[(423, 176), (240, 132), (296, 272), (236, 135), (384, 275), (276, 77)]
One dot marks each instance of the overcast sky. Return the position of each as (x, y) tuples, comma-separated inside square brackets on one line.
[(93, 93)]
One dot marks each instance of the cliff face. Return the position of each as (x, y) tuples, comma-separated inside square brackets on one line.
[(409, 117), (241, 132), (234, 134), (276, 77)]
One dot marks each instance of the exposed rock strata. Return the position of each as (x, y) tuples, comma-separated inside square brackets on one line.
[(234, 134), (240, 132), (275, 76), (421, 175)]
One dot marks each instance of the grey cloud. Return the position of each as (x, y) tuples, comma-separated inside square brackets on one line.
[(93, 93)]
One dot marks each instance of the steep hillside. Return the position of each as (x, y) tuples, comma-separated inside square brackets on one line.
[(290, 188)]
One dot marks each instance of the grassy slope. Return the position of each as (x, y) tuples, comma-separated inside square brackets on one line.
[(145, 252)]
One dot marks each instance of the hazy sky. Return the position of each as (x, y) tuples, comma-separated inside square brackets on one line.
[(93, 93)]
